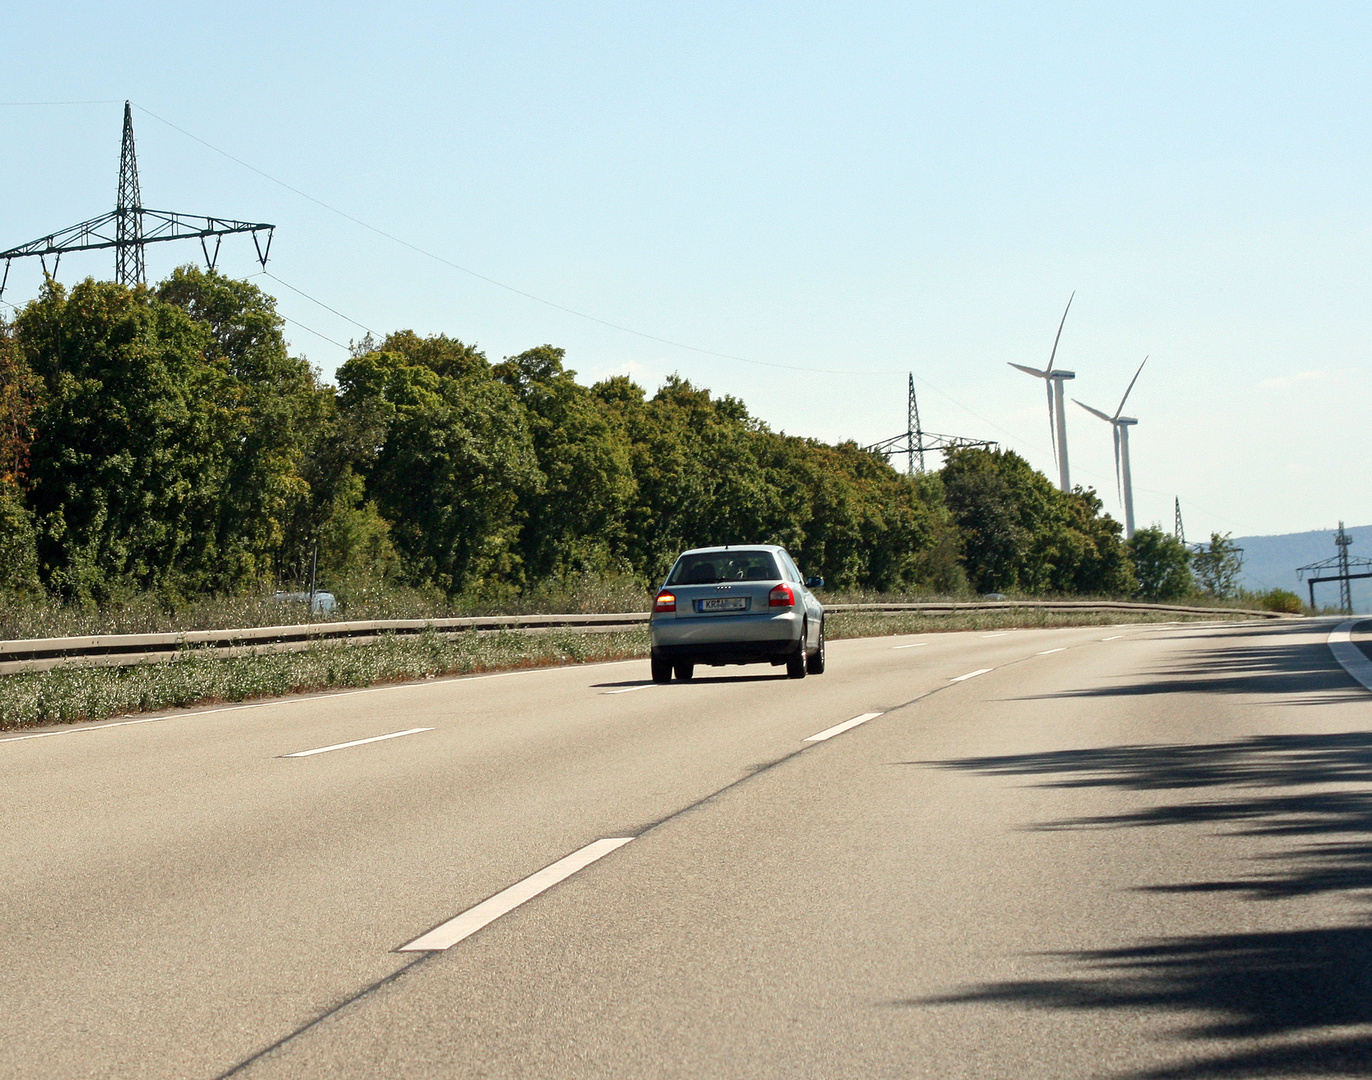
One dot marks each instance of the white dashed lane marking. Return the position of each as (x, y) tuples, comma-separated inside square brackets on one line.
[(972, 674), (357, 742), (912, 645), (839, 729), (1049, 652), (505, 901)]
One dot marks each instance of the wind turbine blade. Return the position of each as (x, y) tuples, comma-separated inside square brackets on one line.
[(1065, 310), (1119, 482), (1095, 412), (1030, 371), (1052, 427), (1131, 387)]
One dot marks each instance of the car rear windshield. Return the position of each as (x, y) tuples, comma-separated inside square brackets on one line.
[(717, 566)]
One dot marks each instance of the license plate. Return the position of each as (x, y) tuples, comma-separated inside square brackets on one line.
[(723, 603)]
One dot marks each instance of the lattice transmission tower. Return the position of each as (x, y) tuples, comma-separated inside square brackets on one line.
[(914, 441), (131, 226), (128, 212), (1344, 564)]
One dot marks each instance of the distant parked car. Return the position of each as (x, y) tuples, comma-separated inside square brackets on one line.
[(324, 602), (736, 605)]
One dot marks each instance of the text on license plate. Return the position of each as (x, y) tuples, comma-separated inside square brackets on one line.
[(723, 603)]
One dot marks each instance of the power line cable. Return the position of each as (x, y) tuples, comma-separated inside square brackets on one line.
[(311, 299), (500, 284), (316, 333), (510, 288), (20, 104)]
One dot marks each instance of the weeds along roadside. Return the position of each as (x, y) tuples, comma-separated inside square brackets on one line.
[(199, 677)]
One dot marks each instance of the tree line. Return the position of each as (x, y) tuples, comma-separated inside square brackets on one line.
[(164, 439)]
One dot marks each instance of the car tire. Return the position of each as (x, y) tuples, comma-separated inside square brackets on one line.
[(684, 671), (795, 663), (815, 664), (662, 670)]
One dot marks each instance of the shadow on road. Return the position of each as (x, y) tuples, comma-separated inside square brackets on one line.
[(1285, 659), (1287, 992), (697, 679), (1246, 986), (1300, 768)]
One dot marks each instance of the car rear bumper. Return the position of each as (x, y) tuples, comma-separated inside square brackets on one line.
[(729, 652), (738, 639)]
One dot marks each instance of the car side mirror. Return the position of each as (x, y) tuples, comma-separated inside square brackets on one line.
[(814, 583)]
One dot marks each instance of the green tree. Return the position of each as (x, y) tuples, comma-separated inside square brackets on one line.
[(18, 397), (700, 480), (575, 522), (455, 460), (1019, 532), (278, 412), (130, 441), (1162, 564), (169, 438), (1217, 566)]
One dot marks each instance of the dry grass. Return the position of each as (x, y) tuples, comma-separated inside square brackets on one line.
[(864, 624), (199, 677)]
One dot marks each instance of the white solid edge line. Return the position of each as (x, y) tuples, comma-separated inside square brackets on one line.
[(1352, 658), (839, 729), (358, 742), (298, 699), (913, 645), (972, 674), (505, 901), (1049, 652)]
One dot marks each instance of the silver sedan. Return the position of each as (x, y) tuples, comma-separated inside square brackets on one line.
[(737, 605)]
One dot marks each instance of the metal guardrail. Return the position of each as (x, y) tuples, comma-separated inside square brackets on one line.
[(119, 650), (1054, 605)]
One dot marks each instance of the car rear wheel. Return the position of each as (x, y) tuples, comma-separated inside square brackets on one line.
[(685, 671), (662, 670), (815, 664), (795, 663)]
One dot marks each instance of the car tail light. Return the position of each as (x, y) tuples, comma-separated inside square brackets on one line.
[(781, 596), (665, 602)]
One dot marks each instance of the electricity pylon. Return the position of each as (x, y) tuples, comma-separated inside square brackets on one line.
[(1343, 563), (914, 441), (131, 226)]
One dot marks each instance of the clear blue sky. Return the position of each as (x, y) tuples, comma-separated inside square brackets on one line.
[(861, 190)]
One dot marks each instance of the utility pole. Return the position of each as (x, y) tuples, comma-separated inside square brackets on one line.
[(128, 213), (131, 226), (1344, 564), (914, 441), (1342, 540), (314, 565), (914, 436)]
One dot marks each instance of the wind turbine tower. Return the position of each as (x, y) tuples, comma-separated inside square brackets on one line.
[(1123, 478), (1057, 418)]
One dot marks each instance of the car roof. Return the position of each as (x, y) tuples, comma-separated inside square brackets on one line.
[(731, 547)]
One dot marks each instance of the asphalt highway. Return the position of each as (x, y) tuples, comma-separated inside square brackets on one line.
[(1093, 852)]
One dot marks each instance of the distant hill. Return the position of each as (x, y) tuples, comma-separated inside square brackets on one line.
[(1269, 562)]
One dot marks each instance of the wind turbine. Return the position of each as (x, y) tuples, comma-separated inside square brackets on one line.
[(1121, 426), (1057, 419)]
